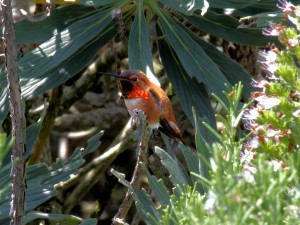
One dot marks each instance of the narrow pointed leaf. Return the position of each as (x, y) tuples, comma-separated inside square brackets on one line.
[(61, 17), (177, 172), (222, 4), (158, 188), (190, 92), (41, 180), (35, 84), (192, 57), (226, 27), (144, 204), (59, 218), (139, 51), (233, 71), (187, 6)]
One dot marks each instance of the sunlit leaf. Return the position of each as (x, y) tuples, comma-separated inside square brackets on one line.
[(187, 6), (41, 180), (177, 172), (236, 4), (61, 17), (139, 51), (37, 82), (192, 57), (226, 27), (58, 218)]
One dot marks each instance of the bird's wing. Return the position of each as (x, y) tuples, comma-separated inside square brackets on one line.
[(156, 99)]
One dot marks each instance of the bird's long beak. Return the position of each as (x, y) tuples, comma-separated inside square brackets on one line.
[(109, 74)]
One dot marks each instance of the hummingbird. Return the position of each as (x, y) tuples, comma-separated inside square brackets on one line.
[(140, 93)]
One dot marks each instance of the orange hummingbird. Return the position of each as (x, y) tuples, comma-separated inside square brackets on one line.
[(140, 93)]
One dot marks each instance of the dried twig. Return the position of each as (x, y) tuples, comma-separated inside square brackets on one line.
[(138, 171), (48, 121), (90, 174), (17, 211)]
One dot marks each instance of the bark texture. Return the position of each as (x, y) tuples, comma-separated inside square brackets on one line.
[(17, 211)]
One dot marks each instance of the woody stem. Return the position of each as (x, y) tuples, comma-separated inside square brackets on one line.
[(138, 171)]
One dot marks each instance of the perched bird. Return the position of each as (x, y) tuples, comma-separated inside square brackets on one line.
[(140, 93)]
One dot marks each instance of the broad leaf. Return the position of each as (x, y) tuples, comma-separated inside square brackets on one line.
[(158, 188), (233, 71), (58, 218), (36, 83), (192, 57), (145, 206), (97, 2), (190, 92), (226, 27), (264, 20), (41, 180), (139, 51), (233, 4), (61, 17), (178, 175), (187, 6)]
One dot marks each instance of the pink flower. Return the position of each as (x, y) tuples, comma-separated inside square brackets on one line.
[(264, 101), (286, 7)]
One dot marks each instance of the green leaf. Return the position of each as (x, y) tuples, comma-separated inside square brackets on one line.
[(89, 222), (34, 84), (178, 174), (264, 20), (93, 143), (187, 6), (192, 57), (61, 17), (221, 4), (41, 180), (139, 51), (191, 159), (233, 71), (58, 218), (97, 2), (4, 103), (190, 92), (5, 145), (144, 204), (31, 134), (226, 27), (203, 139), (258, 7), (158, 188), (63, 45)]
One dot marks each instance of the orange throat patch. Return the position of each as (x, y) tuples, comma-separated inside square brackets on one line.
[(137, 93)]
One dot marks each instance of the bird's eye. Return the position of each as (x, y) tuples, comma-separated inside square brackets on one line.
[(134, 79)]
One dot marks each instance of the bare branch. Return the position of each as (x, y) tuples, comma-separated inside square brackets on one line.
[(90, 174), (48, 121), (17, 210), (138, 170)]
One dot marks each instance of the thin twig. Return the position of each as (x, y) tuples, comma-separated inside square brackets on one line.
[(89, 77), (91, 173), (138, 171), (48, 121), (17, 211)]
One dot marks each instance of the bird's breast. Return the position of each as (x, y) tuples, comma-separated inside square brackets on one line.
[(149, 107)]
